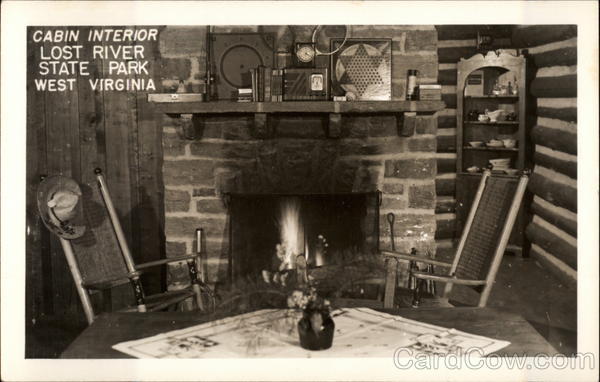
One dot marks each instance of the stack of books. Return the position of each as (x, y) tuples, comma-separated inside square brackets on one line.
[(430, 92)]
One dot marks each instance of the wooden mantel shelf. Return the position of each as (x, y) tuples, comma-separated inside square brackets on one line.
[(220, 107), (180, 107)]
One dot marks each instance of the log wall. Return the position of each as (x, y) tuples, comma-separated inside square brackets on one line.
[(553, 230)]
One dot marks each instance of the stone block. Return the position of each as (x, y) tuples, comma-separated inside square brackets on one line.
[(366, 179), (398, 89), (427, 65), (231, 150), (390, 145), (421, 196), (178, 41), (211, 206), (204, 191), (393, 188), (304, 127), (177, 201), (426, 125), (173, 145), (344, 176), (175, 68), (410, 168), (196, 172), (421, 40), (227, 181), (175, 248), (427, 144), (227, 127), (383, 126), (185, 226), (393, 203), (411, 226), (355, 126)]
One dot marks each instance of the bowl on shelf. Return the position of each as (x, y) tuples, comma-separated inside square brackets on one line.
[(509, 143), (483, 118), (473, 169), (476, 144), (495, 143), (511, 171)]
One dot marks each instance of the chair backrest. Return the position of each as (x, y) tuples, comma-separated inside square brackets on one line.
[(96, 258), (98, 253), (487, 229)]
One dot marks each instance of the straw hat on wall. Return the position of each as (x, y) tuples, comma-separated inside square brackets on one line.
[(60, 206)]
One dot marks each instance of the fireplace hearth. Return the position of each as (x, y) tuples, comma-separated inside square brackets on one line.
[(269, 231)]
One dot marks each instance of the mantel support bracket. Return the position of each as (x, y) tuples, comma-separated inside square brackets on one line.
[(407, 123)]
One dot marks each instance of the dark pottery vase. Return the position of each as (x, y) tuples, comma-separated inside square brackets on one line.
[(312, 337)]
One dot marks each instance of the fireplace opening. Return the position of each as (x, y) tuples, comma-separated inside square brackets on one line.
[(269, 231)]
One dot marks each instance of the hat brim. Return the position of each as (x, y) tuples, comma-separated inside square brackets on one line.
[(74, 227)]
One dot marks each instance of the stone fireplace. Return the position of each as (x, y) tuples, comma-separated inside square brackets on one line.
[(297, 154), (226, 158)]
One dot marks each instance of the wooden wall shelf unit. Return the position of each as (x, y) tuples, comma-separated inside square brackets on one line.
[(476, 77), (177, 106)]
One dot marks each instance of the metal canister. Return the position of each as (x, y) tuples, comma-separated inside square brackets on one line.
[(411, 84)]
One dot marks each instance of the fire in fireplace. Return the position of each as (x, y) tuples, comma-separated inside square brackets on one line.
[(268, 232)]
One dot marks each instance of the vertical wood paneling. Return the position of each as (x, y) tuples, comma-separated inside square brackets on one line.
[(36, 164), (119, 110), (62, 130), (72, 133), (148, 215), (91, 118)]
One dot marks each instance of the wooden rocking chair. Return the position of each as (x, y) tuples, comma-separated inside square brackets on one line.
[(481, 245), (100, 259)]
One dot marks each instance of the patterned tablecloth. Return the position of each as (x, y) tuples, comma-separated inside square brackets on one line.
[(272, 333)]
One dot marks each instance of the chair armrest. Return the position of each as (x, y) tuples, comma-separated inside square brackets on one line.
[(446, 279), (165, 261), (419, 259)]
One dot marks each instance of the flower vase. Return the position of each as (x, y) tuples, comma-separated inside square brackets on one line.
[(315, 330)]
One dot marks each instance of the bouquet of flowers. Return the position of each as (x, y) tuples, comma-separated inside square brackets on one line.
[(316, 327), (308, 300)]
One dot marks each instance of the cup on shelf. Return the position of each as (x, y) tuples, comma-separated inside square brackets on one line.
[(483, 118), (509, 143)]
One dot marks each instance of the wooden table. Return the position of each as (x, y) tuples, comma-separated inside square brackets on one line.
[(112, 328)]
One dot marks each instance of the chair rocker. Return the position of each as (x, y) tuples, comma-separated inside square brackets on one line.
[(100, 259), (481, 246)]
